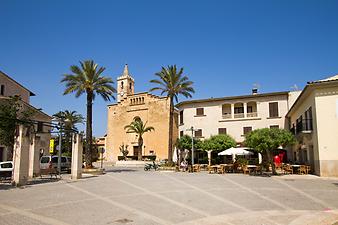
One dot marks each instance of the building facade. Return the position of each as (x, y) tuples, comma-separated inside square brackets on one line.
[(235, 115), (150, 108), (9, 87), (314, 121)]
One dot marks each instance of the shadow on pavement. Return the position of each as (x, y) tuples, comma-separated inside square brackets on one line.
[(120, 170)]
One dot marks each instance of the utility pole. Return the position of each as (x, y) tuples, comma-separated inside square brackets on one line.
[(59, 152)]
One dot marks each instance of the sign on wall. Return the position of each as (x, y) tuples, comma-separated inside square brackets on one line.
[(51, 146)]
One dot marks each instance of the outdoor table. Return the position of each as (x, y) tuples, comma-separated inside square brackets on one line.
[(251, 168), (214, 168), (295, 168)]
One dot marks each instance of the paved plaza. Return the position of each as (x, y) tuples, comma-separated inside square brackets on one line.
[(132, 196)]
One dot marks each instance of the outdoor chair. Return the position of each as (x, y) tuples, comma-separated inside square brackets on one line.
[(258, 170), (287, 169), (302, 170), (245, 170), (221, 169), (196, 168)]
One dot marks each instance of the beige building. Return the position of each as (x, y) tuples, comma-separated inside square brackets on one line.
[(9, 87), (314, 120), (236, 115), (150, 108)]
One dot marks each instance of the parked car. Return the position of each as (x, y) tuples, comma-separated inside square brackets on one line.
[(52, 162), (6, 169)]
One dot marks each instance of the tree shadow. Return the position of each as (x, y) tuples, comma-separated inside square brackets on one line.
[(120, 170)]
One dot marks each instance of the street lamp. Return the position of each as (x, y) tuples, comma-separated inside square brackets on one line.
[(192, 144)]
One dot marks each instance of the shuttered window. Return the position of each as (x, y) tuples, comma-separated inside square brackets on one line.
[(222, 131), (200, 112), (273, 109), (247, 130), (181, 117), (198, 133)]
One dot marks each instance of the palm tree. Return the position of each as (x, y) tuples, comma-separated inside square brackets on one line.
[(70, 120), (88, 79), (137, 126), (173, 83)]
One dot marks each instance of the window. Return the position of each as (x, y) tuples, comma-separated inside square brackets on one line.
[(274, 127), (181, 117), (239, 110), (130, 86), (6, 165), (40, 127), (181, 133), (2, 89), (122, 84), (249, 109), (198, 133), (200, 112), (222, 131), (151, 152), (246, 130), (273, 109)]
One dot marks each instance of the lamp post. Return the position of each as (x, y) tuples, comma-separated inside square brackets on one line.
[(192, 144)]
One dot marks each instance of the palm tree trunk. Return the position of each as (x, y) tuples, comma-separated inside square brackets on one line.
[(171, 123), (140, 144), (88, 156)]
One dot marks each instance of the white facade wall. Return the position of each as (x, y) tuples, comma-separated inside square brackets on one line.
[(213, 118)]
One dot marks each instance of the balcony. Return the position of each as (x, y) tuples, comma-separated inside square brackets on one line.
[(238, 115), (226, 116), (303, 126), (252, 114)]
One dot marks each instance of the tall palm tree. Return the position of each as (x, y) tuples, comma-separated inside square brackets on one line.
[(137, 126), (172, 83), (88, 79)]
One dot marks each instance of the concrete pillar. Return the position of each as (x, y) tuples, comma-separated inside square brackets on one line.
[(77, 149), (209, 157), (21, 157), (232, 111), (32, 155), (245, 109)]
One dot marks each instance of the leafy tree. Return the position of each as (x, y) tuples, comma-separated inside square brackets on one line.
[(137, 126), (172, 83), (12, 114), (70, 120), (266, 140), (88, 79), (217, 142)]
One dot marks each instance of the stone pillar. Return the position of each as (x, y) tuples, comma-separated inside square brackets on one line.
[(232, 111), (21, 157), (245, 109), (209, 157), (32, 156), (77, 149)]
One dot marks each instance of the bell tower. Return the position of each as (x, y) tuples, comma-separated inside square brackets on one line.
[(125, 84)]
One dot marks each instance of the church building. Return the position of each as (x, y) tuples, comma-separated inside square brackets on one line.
[(150, 108)]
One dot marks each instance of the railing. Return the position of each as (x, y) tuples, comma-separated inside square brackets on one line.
[(239, 115), (304, 125), (252, 114), (227, 116)]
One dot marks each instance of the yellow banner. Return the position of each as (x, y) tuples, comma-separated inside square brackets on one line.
[(51, 146)]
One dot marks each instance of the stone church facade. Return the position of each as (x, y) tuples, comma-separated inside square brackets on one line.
[(150, 108)]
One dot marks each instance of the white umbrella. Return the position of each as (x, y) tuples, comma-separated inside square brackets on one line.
[(236, 151)]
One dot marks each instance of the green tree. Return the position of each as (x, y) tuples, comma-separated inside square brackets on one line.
[(217, 143), (266, 140), (88, 79), (171, 82), (12, 114), (137, 126)]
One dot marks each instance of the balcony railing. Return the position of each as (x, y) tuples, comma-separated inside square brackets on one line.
[(227, 116), (239, 115), (252, 114), (304, 125)]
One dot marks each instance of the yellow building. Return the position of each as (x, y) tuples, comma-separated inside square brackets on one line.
[(314, 120), (150, 108)]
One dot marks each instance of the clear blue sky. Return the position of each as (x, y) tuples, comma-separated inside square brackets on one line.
[(224, 46)]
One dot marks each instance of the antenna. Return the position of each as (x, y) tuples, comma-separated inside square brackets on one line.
[(294, 87)]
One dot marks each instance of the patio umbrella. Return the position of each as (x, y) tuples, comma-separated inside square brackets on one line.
[(235, 151)]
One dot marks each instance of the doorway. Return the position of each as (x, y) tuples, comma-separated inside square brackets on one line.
[(1, 153)]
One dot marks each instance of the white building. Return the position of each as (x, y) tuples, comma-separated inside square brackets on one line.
[(235, 115)]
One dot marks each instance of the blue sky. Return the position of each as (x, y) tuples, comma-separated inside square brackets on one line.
[(224, 46)]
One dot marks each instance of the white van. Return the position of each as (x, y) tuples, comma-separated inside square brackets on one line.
[(47, 162)]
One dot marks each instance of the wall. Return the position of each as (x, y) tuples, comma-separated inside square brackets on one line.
[(154, 111), (326, 99), (12, 88)]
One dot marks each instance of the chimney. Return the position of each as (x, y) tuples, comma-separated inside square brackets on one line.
[(254, 91)]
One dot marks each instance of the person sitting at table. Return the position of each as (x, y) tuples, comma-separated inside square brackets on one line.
[(184, 165)]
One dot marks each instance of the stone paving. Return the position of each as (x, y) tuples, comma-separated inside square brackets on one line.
[(132, 196)]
